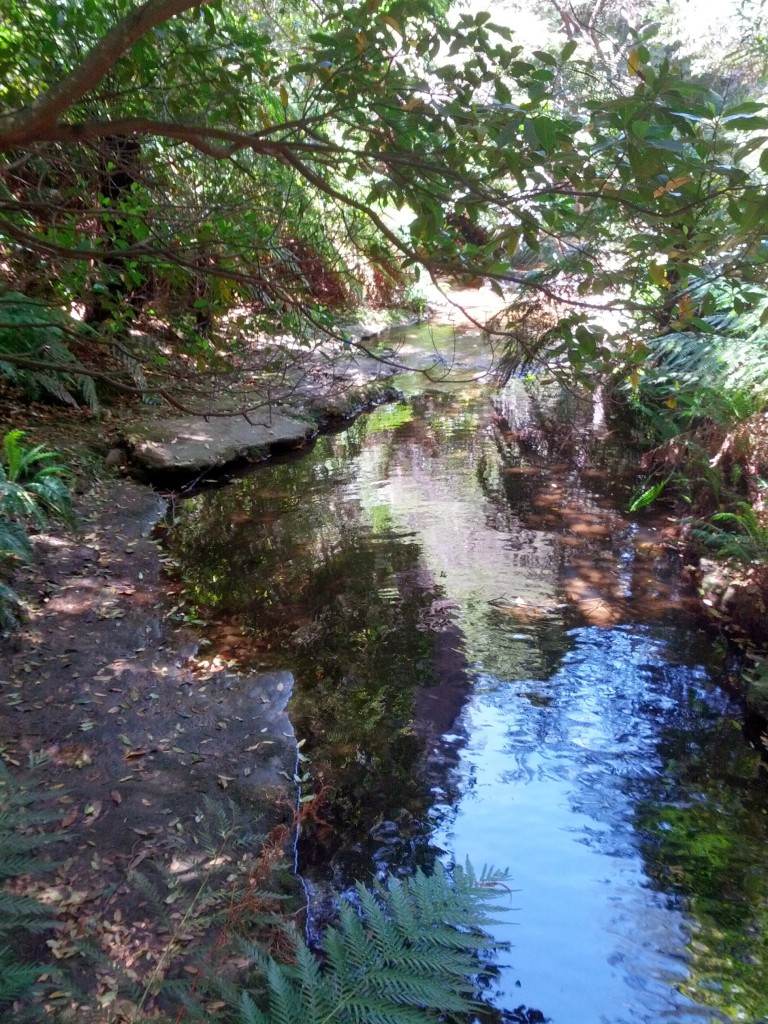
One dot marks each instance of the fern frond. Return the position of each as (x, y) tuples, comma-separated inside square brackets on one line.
[(743, 537), (34, 329), (249, 1011), (131, 365), (403, 953), (16, 979), (88, 388), (9, 605), (727, 355), (21, 814), (13, 540)]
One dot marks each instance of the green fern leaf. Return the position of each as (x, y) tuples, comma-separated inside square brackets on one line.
[(249, 1011), (15, 979), (20, 813), (403, 953)]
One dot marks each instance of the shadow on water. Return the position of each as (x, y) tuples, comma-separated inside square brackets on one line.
[(494, 661)]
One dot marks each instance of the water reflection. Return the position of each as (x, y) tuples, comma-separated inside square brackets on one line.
[(551, 788), (439, 579)]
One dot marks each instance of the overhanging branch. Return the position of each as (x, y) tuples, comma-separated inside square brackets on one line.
[(34, 122)]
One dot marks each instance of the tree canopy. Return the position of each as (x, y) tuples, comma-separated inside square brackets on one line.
[(214, 152)]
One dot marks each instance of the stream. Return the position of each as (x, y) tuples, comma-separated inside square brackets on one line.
[(494, 661)]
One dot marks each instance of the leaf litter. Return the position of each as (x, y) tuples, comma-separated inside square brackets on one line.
[(131, 777)]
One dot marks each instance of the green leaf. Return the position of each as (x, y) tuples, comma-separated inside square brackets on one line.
[(546, 133), (743, 122), (546, 58), (647, 496), (748, 107)]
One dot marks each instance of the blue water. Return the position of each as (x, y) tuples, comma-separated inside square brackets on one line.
[(551, 792), (494, 661)]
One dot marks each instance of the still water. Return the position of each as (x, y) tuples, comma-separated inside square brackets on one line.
[(494, 661)]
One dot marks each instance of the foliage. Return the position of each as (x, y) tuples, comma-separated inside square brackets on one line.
[(32, 488), (198, 156), (406, 953), (743, 536), (647, 495), (20, 839), (32, 482), (217, 885), (714, 366), (35, 354)]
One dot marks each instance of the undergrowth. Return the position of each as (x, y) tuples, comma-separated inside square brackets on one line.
[(21, 819), (405, 952), (409, 951), (36, 342), (33, 489), (739, 535)]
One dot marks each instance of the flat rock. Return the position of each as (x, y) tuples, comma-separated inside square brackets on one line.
[(192, 444)]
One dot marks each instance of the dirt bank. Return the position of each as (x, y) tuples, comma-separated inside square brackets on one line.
[(138, 739)]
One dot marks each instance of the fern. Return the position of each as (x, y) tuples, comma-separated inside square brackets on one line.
[(14, 541), (32, 482), (405, 953), (742, 536), (16, 979), (20, 820), (9, 605), (35, 330), (724, 359), (32, 488), (211, 887)]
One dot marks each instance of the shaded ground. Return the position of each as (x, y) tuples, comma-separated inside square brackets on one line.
[(161, 763), (138, 739)]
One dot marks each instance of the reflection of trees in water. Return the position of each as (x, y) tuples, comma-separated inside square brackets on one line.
[(657, 761), (283, 557), (655, 745), (554, 477), (291, 558), (706, 841)]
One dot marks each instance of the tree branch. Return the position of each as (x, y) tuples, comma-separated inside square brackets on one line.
[(35, 121), (199, 136)]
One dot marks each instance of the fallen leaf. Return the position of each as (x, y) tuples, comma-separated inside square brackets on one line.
[(93, 809)]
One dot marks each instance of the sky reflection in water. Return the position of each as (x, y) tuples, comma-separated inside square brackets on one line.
[(551, 792), (429, 567)]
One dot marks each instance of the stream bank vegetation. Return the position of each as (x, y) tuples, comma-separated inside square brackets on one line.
[(407, 951), (33, 489), (197, 195)]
